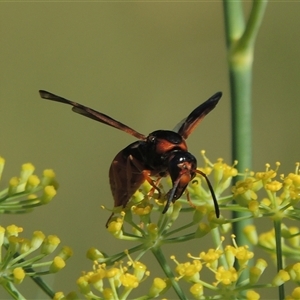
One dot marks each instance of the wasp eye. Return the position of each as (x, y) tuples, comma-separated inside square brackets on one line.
[(151, 138)]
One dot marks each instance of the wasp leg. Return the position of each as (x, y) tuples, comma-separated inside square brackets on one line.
[(108, 221), (189, 199), (155, 187), (145, 173)]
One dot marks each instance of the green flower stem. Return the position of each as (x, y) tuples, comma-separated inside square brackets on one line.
[(168, 272), (42, 284), (215, 233), (180, 239), (110, 260), (240, 39), (277, 228), (38, 280), (177, 230), (12, 291)]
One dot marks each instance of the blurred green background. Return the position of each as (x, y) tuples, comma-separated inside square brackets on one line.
[(148, 65)]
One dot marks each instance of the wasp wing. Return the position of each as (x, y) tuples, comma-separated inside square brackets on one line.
[(92, 114), (195, 117)]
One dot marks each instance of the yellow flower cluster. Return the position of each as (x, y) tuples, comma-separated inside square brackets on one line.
[(118, 281), (222, 262), (27, 191), (282, 195), (14, 265)]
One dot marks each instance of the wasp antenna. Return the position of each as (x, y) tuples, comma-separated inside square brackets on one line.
[(217, 210)]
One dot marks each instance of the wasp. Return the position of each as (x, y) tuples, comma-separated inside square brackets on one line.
[(161, 153)]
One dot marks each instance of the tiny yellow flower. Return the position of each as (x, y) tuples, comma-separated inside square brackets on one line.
[(230, 253), (57, 264), (294, 238), (261, 264), (257, 270), (19, 275), (253, 206), (254, 275), (83, 285), (292, 186), (153, 230), (13, 186), (2, 163), (251, 295), (2, 234), (37, 239), (108, 293), (49, 193), (26, 170), (223, 174), (138, 267), (197, 290), (267, 239), (59, 296), (94, 254), (113, 272), (13, 230), (273, 186), (48, 177), (281, 277), (296, 293), (32, 182), (189, 271), (294, 271), (129, 280), (69, 296), (158, 285), (96, 279), (14, 243), (202, 230), (65, 253), (245, 189), (115, 227), (142, 209), (226, 277), (25, 246), (211, 257), (243, 255), (50, 243), (268, 174), (251, 234)]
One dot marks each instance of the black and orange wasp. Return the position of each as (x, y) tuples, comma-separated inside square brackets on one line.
[(161, 153)]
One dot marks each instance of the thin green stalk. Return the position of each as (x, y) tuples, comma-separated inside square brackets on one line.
[(12, 291), (277, 228), (168, 272), (38, 280), (240, 39)]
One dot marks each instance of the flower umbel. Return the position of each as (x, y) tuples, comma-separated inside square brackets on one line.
[(226, 275), (25, 257), (282, 195), (27, 191), (117, 281)]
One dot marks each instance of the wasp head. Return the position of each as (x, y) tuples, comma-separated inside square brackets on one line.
[(182, 167)]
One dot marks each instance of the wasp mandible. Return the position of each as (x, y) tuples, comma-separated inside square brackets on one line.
[(161, 153)]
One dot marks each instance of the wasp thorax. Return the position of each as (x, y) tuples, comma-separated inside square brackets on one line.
[(165, 141)]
